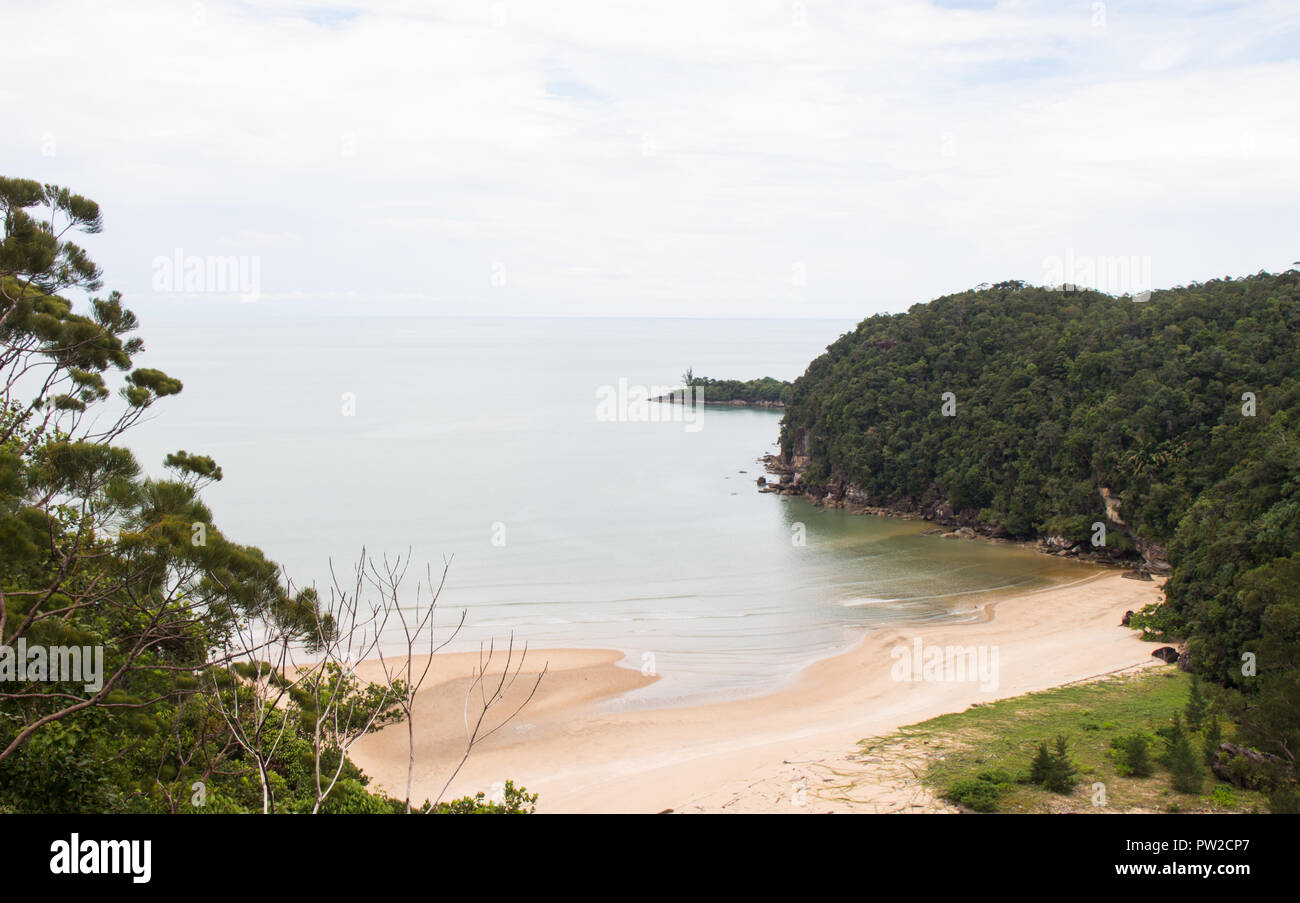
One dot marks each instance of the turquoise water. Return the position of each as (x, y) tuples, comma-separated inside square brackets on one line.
[(648, 537)]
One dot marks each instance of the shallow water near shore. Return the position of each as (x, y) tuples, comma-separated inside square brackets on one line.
[(479, 438)]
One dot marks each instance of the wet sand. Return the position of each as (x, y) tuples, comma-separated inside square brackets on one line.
[(569, 746)]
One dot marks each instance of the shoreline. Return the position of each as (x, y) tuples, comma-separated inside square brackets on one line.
[(1151, 561), (674, 398), (739, 755)]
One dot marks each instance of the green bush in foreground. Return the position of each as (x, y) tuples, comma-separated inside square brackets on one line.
[(1197, 706), (1130, 754), (1212, 737), (1285, 800), (982, 792), (1054, 770), (1222, 795), (516, 801), (1186, 772)]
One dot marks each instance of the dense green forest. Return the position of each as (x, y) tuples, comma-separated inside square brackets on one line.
[(218, 688), (1016, 406)]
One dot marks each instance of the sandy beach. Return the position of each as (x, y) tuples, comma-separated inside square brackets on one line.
[(762, 754)]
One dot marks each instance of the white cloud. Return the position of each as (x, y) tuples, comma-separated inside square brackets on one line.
[(673, 157)]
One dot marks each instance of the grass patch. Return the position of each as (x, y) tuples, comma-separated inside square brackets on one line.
[(981, 758)]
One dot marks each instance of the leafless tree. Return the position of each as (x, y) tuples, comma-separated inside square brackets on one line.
[(249, 715), (490, 693), (419, 635), (343, 709)]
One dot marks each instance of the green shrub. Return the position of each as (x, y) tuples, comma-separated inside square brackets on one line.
[(1053, 769), (1211, 738), (1185, 768), (1222, 795), (1197, 708), (1130, 755), (982, 792), (516, 801), (1284, 800), (1172, 734)]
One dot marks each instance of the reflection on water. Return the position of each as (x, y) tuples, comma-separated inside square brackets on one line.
[(644, 537)]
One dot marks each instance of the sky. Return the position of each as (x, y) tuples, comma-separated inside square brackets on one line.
[(666, 158)]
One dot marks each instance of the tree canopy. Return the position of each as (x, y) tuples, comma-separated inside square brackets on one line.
[(184, 695)]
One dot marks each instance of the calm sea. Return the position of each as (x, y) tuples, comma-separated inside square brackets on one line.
[(479, 440)]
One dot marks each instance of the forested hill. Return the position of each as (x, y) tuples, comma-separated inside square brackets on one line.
[(1184, 406), (1056, 394)]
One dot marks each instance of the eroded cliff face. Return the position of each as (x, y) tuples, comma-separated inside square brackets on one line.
[(800, 459), (1112, 503)]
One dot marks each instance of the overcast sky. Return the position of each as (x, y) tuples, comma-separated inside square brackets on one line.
[(694, 158)]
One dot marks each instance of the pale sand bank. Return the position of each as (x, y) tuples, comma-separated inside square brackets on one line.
[(752, 754)]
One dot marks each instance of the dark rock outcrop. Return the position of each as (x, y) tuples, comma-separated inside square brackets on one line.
[(838, 492), (1246, 767), (1153, 556)]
